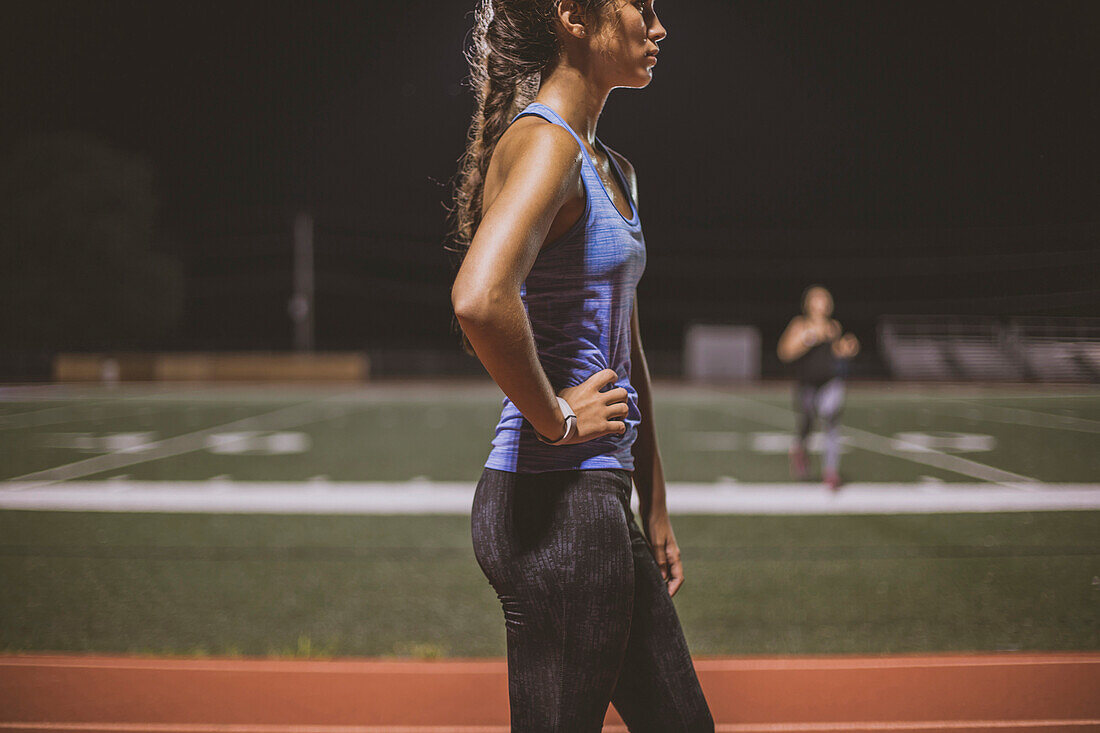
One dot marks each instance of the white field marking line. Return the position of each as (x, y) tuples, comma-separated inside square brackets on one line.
[(852, 727), (435, 392), (1039, 419), (456, 497), (178, 444), (10, 422), (145, 400), (914, 391), (781, 417), (859, 395), (363, 666), (859, 727), (245, 728), (95, 392)]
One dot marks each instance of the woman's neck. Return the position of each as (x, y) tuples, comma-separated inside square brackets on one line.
[(575, 97)]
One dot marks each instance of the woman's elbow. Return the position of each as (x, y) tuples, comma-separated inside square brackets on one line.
[(474, 306), (467, 305)]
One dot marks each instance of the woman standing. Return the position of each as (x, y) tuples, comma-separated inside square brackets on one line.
[(553, 251), (813, 342)]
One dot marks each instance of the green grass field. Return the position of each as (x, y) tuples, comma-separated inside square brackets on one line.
[(442, 432), (409, 585), (402, 585)]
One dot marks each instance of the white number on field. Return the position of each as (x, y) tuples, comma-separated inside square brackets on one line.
[(251, 442)]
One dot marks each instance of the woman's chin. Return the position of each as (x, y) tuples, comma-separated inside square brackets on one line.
[(642, 80)]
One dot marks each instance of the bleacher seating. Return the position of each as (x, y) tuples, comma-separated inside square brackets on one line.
[(988, 349), (982, 360)]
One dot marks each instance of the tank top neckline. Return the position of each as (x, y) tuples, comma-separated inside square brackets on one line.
[(616, 170)]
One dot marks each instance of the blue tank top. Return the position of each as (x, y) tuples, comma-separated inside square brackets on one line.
[(578, 297)]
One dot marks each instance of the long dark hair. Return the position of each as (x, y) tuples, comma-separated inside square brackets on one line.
[(512, 46)]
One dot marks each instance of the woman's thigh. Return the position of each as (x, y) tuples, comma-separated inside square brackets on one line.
[(657, 689), (556, 548), (829, 402), (805, 399)]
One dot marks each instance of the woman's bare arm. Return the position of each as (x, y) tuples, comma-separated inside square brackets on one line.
[(791, 343), (539, 169), (649, 475)]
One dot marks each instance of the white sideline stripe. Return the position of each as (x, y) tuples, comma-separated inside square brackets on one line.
[(782, 418), (278, 419), (923, 725), (427, 497)]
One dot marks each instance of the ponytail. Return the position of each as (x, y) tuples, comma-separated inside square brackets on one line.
[(512, 45)]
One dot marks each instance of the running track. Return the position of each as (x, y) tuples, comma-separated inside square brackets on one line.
[(950, 693)]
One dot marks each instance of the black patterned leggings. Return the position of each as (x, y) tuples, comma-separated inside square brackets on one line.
[(587, 615)]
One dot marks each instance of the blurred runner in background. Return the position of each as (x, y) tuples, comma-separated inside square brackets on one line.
[(820, 354)]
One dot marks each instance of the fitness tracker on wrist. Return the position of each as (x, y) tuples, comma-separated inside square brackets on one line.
[(570, 424)]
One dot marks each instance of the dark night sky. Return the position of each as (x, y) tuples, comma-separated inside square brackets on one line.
[(781, 142)]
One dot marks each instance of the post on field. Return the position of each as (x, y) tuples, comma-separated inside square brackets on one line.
[(300, 305)]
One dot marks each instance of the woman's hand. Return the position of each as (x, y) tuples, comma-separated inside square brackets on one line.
[(666, 552), (828, 330), (846, 347), (598, 413)]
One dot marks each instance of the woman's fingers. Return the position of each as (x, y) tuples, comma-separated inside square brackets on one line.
[(619, 394), (675, 570), (661, 556), (602, 378), (607, 376), (599, 413), (614, 427)]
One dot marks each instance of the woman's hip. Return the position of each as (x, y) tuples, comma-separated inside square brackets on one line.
[(554, 521)]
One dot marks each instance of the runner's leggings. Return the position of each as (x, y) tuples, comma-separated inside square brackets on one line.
[(587, 616), (825, 402)]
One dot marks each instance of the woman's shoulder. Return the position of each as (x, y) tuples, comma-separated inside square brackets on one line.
[(536, 161), (796, 322), (535, 140)]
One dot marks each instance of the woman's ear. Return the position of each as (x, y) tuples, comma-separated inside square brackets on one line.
[(572, 19)]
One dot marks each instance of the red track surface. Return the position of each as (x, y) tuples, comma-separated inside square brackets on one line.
[(1041, 693)]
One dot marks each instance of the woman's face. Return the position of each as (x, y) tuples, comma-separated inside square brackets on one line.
[(819, 303), (626, 43)]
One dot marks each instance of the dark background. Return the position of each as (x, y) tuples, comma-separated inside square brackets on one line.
[(917, 158)]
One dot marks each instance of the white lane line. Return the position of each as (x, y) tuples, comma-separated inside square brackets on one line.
[(941, 726), (784, 418), (235, 728), (944, 726), (279, 419), (455, 498)]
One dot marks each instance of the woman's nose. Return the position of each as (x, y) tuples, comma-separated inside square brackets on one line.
[(657, 31)]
